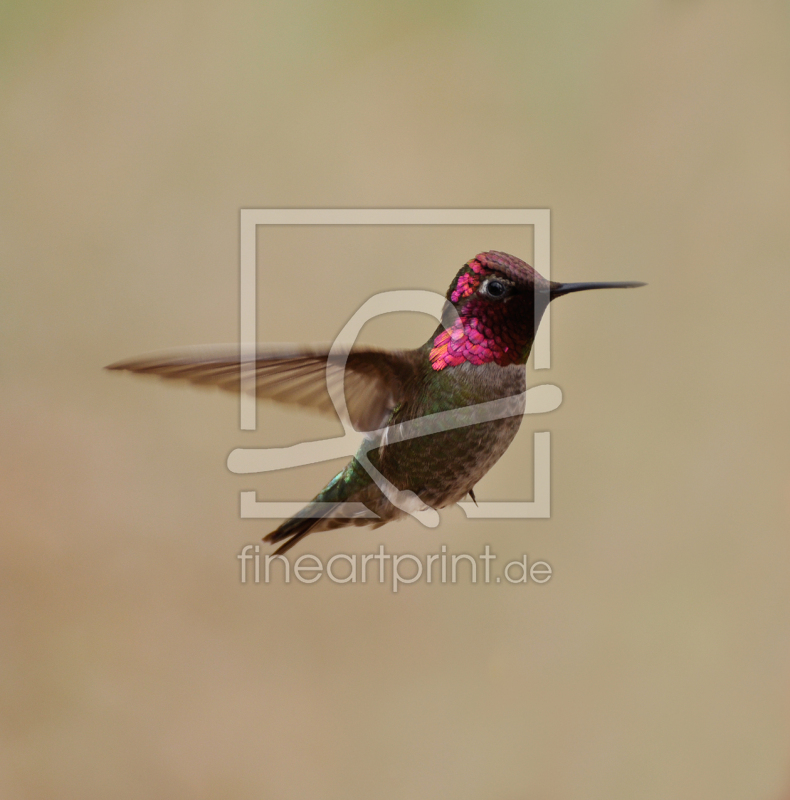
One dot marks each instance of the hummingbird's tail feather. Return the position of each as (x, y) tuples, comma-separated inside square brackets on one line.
[(291, 532), (310, 520), (350, 498)]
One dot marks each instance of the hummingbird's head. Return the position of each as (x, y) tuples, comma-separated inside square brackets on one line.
[(497, 278), (494, 306)]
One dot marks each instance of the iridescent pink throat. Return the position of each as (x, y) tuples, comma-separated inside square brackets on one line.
[(481, 334)]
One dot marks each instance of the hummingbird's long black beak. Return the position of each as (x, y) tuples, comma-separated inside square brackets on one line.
[(559, 289)]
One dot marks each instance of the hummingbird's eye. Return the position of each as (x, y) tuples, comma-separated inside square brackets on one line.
[(495, 289)]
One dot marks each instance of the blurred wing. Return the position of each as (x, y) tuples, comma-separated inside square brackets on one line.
[(375, 380)]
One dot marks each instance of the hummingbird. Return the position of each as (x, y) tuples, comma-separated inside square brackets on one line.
[(477, 354)]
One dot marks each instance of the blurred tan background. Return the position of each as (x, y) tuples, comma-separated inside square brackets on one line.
[(656, 663)]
